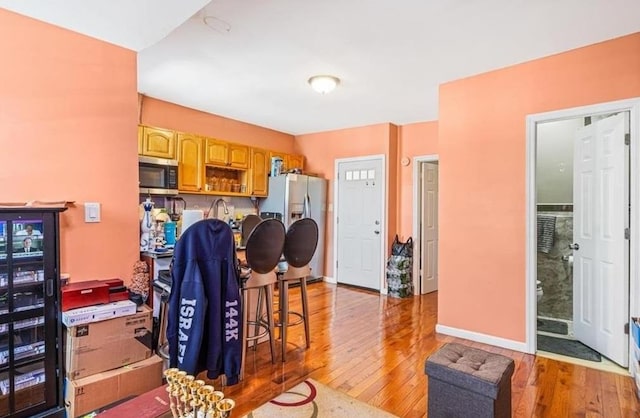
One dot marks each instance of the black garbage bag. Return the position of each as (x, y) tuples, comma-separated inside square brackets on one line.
[(400, 269)]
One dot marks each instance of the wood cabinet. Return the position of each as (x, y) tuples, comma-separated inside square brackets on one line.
[(289, 161), (260, 165), (213, 166), (238, 156), (140, 134), (284, 156), (226, 154), (216, 152), (295, 161), (157, 142), (190, 163)]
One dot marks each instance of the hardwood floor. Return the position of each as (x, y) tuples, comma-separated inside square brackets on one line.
[(374, 348)]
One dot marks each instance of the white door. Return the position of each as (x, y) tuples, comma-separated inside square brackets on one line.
[(600, 270), (359, 223), (429, 228)]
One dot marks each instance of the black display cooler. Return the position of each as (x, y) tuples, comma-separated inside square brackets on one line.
[(31, 370)]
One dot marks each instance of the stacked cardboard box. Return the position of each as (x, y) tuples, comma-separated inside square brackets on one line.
[(91, 393), (95, 354)]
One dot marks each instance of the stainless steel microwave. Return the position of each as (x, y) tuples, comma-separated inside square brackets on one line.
[(158, 176)]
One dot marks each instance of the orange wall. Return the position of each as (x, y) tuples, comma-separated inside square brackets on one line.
[(322, 149), (416, 139), (482, 174), (68, 117), (163, 114)]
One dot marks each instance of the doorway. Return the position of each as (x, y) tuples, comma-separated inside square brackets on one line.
[(360, 221), (579, 200), (425, 223)]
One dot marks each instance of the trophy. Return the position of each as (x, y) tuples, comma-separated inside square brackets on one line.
[(192, 398)]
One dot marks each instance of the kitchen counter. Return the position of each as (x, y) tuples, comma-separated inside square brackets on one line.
[(158, 254)]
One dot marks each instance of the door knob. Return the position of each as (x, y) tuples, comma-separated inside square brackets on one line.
[(376, 232), (575, 246)]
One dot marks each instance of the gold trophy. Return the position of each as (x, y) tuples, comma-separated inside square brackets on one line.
[(170, 375), (177, 392), (212, 401), (224, 407), (191, 398)]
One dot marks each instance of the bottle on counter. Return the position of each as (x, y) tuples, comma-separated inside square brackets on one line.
[(170, 233)]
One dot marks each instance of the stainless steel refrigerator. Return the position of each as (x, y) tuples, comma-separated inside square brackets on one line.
[(297, 196)]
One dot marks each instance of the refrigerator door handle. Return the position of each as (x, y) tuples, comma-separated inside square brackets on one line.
[(306, 211)]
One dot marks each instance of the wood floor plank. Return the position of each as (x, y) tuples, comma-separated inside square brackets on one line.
[(593, 392), (374, 347)]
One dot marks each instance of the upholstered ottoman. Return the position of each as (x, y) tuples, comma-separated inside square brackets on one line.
[(468, 382)]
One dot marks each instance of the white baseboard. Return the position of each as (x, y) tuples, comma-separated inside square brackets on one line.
[(328, 279), (482, 338)]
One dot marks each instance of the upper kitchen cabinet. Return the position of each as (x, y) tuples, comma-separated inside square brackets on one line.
[(140, 134), (226, 154), (157, 142), (283, 156), (259, 172), (190, 167), (289, 161), (295, 161), (238, 156)]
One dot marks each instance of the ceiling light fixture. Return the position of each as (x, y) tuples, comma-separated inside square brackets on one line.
[(323, 84)]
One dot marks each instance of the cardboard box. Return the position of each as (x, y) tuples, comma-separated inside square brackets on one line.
[(105, 345), (98, 313), (93, 392)]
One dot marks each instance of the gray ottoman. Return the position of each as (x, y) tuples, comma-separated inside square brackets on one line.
[(468, 382)]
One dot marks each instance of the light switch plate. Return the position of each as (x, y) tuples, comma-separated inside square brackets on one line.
[(92, 212)]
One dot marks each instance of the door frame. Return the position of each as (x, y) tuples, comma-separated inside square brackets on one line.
[(417, 213), (633, 107), (383, 220)]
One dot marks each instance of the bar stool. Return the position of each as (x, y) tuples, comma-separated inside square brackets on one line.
[(299, 246), (248, 223), (263, 250)]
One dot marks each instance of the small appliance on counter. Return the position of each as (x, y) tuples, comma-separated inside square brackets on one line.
[(176, 206)]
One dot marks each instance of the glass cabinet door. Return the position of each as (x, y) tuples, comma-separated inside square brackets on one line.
[(28, 295)]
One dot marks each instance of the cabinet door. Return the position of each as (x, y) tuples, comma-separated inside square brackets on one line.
[(259, 172), (140, 136), (238, 156), (159, 143), (190, 167), (295, 161), (285, 159), (216, 152)]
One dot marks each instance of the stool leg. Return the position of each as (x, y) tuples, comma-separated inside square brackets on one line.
[(245, 319), (284, 315), (269, 302), (256, 327), (305, 310)]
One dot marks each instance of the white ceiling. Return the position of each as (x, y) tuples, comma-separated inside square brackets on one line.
[(252, 63)]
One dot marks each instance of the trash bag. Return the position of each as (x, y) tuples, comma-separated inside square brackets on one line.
[(400, 269), (404, 249)]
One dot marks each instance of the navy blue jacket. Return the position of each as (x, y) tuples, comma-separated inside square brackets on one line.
[(204, 326)]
